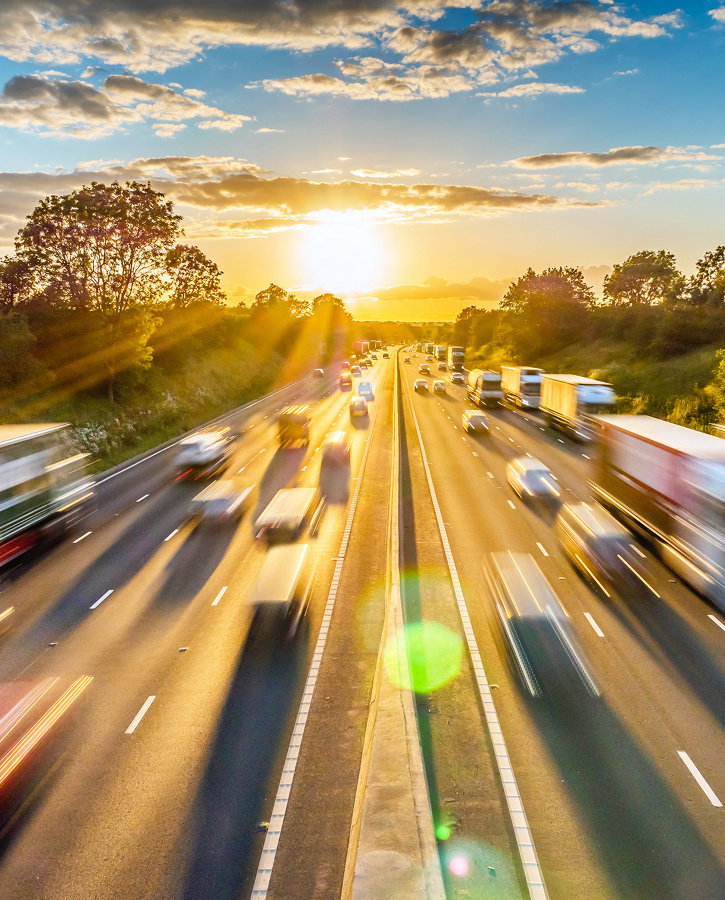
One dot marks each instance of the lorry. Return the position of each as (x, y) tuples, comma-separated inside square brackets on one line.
[(568, 403), (455, 359), (521, 386), (361, 347), (667, 482), (293, 426), (484, 387), (44, 492), (428, 348), (440, 353)]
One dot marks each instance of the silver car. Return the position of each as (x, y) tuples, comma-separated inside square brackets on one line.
[(531, 479)]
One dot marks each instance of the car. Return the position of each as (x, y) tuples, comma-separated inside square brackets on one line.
[(224, 501), (407, 359), (475, 422), (457, 378), (365, 389), (424, 369), (344, 367), (429, 358), (439, 387), (369, 360), (442, 367), (318, 373), (336, 449), (356, 372), (363, 363), (373, 356), (358, 407), (293, 426), (386, 356), (280, 594), (531, 479), (288, 514), (346, 381), (204, 454), (420, 384)]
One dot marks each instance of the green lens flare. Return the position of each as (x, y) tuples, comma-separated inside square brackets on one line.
[(443, 832), (434, 657)]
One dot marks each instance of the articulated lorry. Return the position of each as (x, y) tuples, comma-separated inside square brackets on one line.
[(668, 483), (43, 492), (568, 403), (456, 359), (484, 387), (440, 353), (521, 386)]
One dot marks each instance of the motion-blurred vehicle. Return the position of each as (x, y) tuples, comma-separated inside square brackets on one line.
[(442, 367), (280, 594), (475, 422), (407, 359), (205, 454), (373, 356), (531, 479), (365, 389), (336, 449), (345, 381), (424, 369), (420, 384), (223, 501), (293, 426), (429, 358), (536, 627), (44, 494), (569, 403), (318, 373), (484, 387), (358, 407), (356, 372), (521, 386), (386, 355), (363, 363), (344, 367), (599, 546), (439, 387), (289, 513), (456, 358), (457, 378)]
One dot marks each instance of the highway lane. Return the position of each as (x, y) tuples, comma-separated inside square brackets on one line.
[(648, 714)]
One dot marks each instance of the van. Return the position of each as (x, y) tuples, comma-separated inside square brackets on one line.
[(293, 426), (288, 514), (280, 593)]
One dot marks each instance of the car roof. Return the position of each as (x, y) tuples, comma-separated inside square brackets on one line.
[(222, 489), (279, 575), (529, 464), (336, 437), (288, 504), (594, 519), (527, 593)]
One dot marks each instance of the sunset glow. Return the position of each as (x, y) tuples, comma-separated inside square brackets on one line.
[(341, 255)]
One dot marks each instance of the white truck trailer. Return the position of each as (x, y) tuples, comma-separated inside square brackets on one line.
[(668, 483), (456, 359), (568, 403), (484, 387), (521, 386)]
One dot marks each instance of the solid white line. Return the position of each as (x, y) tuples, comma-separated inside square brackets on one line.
[(78, 540), (143, 498), (560, 440), (175, 531), (101, 599), (637, 550), (594, 625), (140, 714), (585, 456), (220, 595), (716, 621), (696, 774), (511, 504), (542, 548)]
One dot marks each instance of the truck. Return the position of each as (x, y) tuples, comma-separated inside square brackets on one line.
[(667, 482), (376, 345), (568, 403), (521, 386), (361, 347), (440, 353), (293, 426), (429, 348), (484, 387), (455, 359), (44, 492)]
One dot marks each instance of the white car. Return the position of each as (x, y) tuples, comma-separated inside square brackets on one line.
[(475, 421), (358, 407), (420, 384), (439, 387), (457, 378), (424, 369), (531, 479), (356, 372)]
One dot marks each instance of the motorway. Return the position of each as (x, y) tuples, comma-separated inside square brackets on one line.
[(171, 774)]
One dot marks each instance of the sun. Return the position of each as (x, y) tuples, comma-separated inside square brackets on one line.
[(343, 254)]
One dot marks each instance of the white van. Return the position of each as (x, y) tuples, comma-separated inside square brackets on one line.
[(280, 593)]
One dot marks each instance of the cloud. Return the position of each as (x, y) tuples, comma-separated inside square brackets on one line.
[(168, 129), (269, 131), (685, 184), (534, 88), (585, 186), (615, 157), (477, 290), (376, 173), (718, 14)]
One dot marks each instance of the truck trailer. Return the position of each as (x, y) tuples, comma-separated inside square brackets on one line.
[(668, 483), (568, 403), (456, 359), (521, 386), (484, 387), (441, 351)]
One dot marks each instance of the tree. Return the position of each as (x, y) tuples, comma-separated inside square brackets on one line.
[(707, 285), (195, 278), (16, 282), (646, 278), (277, 298)]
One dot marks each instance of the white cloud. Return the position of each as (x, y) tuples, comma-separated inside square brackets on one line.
[(617, 156), (533, 89), (376, 173), (269, 131)]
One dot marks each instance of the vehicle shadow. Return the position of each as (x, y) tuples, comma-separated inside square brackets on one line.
[(360, 423), (335, 483), (226, 837), (282, 468)]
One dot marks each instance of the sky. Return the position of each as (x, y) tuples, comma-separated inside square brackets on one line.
[(411, 157)]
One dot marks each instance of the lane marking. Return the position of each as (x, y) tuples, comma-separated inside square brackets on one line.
[(511, 504), (143, 498), (542, 548), (101, 599), (560, 440), (594, 624), (637, 550), (697, 775), (140, 714), (585, 456), (490, 474), (645, 583), (78, 540), (175, 531), (716, 621), (220, 595)]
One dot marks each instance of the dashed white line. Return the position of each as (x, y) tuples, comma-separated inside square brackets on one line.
[(560, 440), (143, 498), (175, 531), (241, 470), (490, 474), (697, 775), (140, 714), (542, 548), (594, 624), (82, 537), (716, 621), (220, 595), (511, 504), (585, 456), (637, 550), (101, 599)]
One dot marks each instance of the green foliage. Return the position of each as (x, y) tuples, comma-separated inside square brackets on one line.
[(194, 277), (707, 285), (16, 352), (644, 278)]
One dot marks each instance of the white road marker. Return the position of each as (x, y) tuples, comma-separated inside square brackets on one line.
[(474, 453), (220, 595), (716, 621), (585, 456), (175, 531), (511, 504), (241, 470), (594, 624), (541, 429), (697, 775), (637, 550), (143, 498), (542, 548), (560, 440), (78, 540), (101, 599), (140, 714), (490, 474)]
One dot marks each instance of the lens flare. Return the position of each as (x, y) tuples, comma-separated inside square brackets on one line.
[(434, 656), (459, 866)]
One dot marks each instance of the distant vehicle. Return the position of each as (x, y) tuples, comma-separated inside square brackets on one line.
[(456, 358), (336, 449), (280, 593), (420, 384), (293, 426), (522, 386), (346, 381), (668, 483), (429, 358), (484, 387), (205, 454), (457, 378), (427, 348), (358, 407), (364, 363), (407, 359), (318, 373), (344, 367), (224, 501), (356, 372), (424, 369), (439, 387), (531, 479), (386, 355), (475, 422), (365, 389), (441, 367), (536, 628), (376, 345), (440, 352), (288, 514), (568, 403), (373, 356), (361, 347), (44, 494)]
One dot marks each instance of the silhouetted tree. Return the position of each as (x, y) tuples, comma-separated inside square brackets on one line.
[(195, 278), (646, 278)]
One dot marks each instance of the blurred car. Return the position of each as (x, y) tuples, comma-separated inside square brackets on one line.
[(288, 514), (457, 378), (420, 384), (204, 454), (531, 479), (386, 355), (424, 369), (356, 372), (407, 359), (536, 627), (363, 363), (429, 358), (475, 422), (318, 373), (344, 367), (346, 381), (358, 407), (442, 367), (293, 426), (365, 389), (599, 546), (373, 356), (221, 502), (336, 449), (439, 387), (280, 594)]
